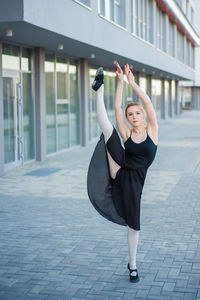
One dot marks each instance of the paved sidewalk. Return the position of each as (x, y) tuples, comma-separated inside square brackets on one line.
[(54, 245)]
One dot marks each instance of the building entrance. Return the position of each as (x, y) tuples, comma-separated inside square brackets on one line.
[(13, 140)]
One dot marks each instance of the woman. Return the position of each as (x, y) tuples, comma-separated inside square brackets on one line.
[(119, 201)]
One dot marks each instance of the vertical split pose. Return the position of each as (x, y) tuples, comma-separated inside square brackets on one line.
[(116, 174)]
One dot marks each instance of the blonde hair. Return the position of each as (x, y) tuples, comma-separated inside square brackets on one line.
[(135, 104)]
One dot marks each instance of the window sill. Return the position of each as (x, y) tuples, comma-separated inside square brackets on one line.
[(80, 3), (113, 23)]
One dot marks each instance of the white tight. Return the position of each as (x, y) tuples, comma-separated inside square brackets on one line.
[(106, 127), (107, 130)]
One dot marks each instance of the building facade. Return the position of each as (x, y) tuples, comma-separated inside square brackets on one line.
[(190, 90), (49, 54)]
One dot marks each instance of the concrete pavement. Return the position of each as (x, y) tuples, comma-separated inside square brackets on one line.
[(54, 245)]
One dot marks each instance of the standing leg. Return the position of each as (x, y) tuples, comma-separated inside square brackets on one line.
[(106, 127), (133, 237)]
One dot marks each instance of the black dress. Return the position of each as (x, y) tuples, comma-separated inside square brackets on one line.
[(119, 200)]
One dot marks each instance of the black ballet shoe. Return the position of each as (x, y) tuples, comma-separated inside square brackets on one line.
[(133, 278), (98, 81)]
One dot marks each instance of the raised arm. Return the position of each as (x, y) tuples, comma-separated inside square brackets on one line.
[(152, 124), (124, 130)]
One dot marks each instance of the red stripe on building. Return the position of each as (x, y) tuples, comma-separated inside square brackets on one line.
[(165, 9)]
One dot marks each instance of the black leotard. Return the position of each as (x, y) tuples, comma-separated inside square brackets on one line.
[(119, 200)]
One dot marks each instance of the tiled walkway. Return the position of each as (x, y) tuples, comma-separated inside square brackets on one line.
[(54, 245)]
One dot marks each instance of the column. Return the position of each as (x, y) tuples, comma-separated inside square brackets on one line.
[(177, 100), (149, 86), (84, 102), (137, 80), (40, 104), (163, 113), (170, 99), (1, 117)]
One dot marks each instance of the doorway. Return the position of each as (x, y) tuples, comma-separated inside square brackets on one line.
[(13, 139)]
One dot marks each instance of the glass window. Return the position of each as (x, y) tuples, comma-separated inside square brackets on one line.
[(50, 103), (20, 118), (158, 27), (145, 20), (112, 7), (192, 16), (62, 126), (157, 95), (171, 39), (62, 103), (187, 8), (26, 61), (141, 9), (11, 57), (135, 17), (102, 7), (61, 72), (180, 46), (179, 2), (192, 62), (93, 124), (117, 12), (151, 22), (114, 10), (28, 116), (9, 119), (74, 104)]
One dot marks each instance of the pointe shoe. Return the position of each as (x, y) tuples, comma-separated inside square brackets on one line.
[(98, 81), (133, 275)]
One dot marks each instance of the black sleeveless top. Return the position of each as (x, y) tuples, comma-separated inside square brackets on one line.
[(143, 153)]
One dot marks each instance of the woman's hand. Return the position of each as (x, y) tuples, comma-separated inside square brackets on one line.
[(119, 72), (129, 74)]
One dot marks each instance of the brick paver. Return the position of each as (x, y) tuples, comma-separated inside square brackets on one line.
[(54, 245)]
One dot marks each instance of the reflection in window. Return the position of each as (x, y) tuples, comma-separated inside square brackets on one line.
[(26, 61), (28, 116), (10, 57), (180, 46), (156, 95), (61, 72), (50, 104), (62, 103), (63, 126), (74, 104), (113, 10), (142, 19)]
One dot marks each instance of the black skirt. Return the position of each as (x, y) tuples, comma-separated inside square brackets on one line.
[(117, 200)]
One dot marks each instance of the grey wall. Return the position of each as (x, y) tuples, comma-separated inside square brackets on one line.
[(82, 31), (78, 23), (11, 10)]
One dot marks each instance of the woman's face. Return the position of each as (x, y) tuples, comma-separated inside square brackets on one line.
[(135, 116)]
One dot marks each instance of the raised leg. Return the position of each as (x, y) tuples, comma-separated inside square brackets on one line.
[(106, 127)]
